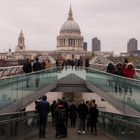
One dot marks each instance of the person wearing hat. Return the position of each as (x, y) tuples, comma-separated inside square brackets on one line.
[(129, 72)]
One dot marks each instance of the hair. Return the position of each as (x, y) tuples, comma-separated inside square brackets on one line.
[(37, 59), (119, 65), (63, 98), (126, 60), (44, 97), (54, 101), (93, 100)]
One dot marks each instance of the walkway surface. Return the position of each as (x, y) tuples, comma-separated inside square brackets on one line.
[(73, 135), (80, 73)]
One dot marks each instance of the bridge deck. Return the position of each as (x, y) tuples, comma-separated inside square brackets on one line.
[(73, 135)]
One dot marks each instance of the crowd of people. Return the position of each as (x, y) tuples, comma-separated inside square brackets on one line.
[(29, 67), (125, 69), (61, 64), (76, 64), (67, 113)]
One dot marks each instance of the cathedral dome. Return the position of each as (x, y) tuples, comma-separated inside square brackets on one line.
[(70, 25), (70, 38)]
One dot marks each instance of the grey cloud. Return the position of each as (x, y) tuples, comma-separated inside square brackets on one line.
[(112, 21)]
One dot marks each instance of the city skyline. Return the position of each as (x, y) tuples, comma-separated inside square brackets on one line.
[(113, 22)]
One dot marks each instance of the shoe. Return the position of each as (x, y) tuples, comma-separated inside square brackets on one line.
[(79, 132), (56, 135), (122, 132), (65, 135), (62, 136), (131, 133), (43, 136), (83, 132), (27, 86), (95, 133)]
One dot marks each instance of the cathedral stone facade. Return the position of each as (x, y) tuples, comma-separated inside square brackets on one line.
[(70, 40)]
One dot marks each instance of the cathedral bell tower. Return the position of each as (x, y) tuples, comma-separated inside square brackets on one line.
[(21, 46)]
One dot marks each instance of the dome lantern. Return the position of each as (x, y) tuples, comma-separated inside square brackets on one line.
[(70, 25), (70, 14)]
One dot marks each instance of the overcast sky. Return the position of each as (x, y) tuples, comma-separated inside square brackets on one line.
[(114, 22)]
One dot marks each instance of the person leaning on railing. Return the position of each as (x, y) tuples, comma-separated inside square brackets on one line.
[(118, 82), (110, 69), (27, 68), (37, 67), (129, 72), (43, 108)]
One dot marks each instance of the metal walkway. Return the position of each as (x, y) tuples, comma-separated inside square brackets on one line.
[(73, 135)]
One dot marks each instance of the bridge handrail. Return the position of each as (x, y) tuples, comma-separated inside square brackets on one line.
[(24, 74), (104, 67), (16, 116), (122, 118), (14, 87), (112, 74), (122, 93)]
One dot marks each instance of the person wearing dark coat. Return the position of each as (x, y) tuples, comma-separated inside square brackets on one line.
[(53, 107), (82, 112), (87, 62), (73, 114), (72, 63), (60, 118), (118, 71), (37, 67), (110, 69), (27, 68), (92, 116), (66, 106), (43, 108), (43, 64)]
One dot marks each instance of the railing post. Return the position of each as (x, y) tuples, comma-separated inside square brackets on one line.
[(124, 101)]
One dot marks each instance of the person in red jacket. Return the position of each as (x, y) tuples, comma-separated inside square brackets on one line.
[(129, 72)]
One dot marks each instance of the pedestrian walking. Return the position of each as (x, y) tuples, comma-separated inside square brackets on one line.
[(37, 67), (43, 108), (27, 68)]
